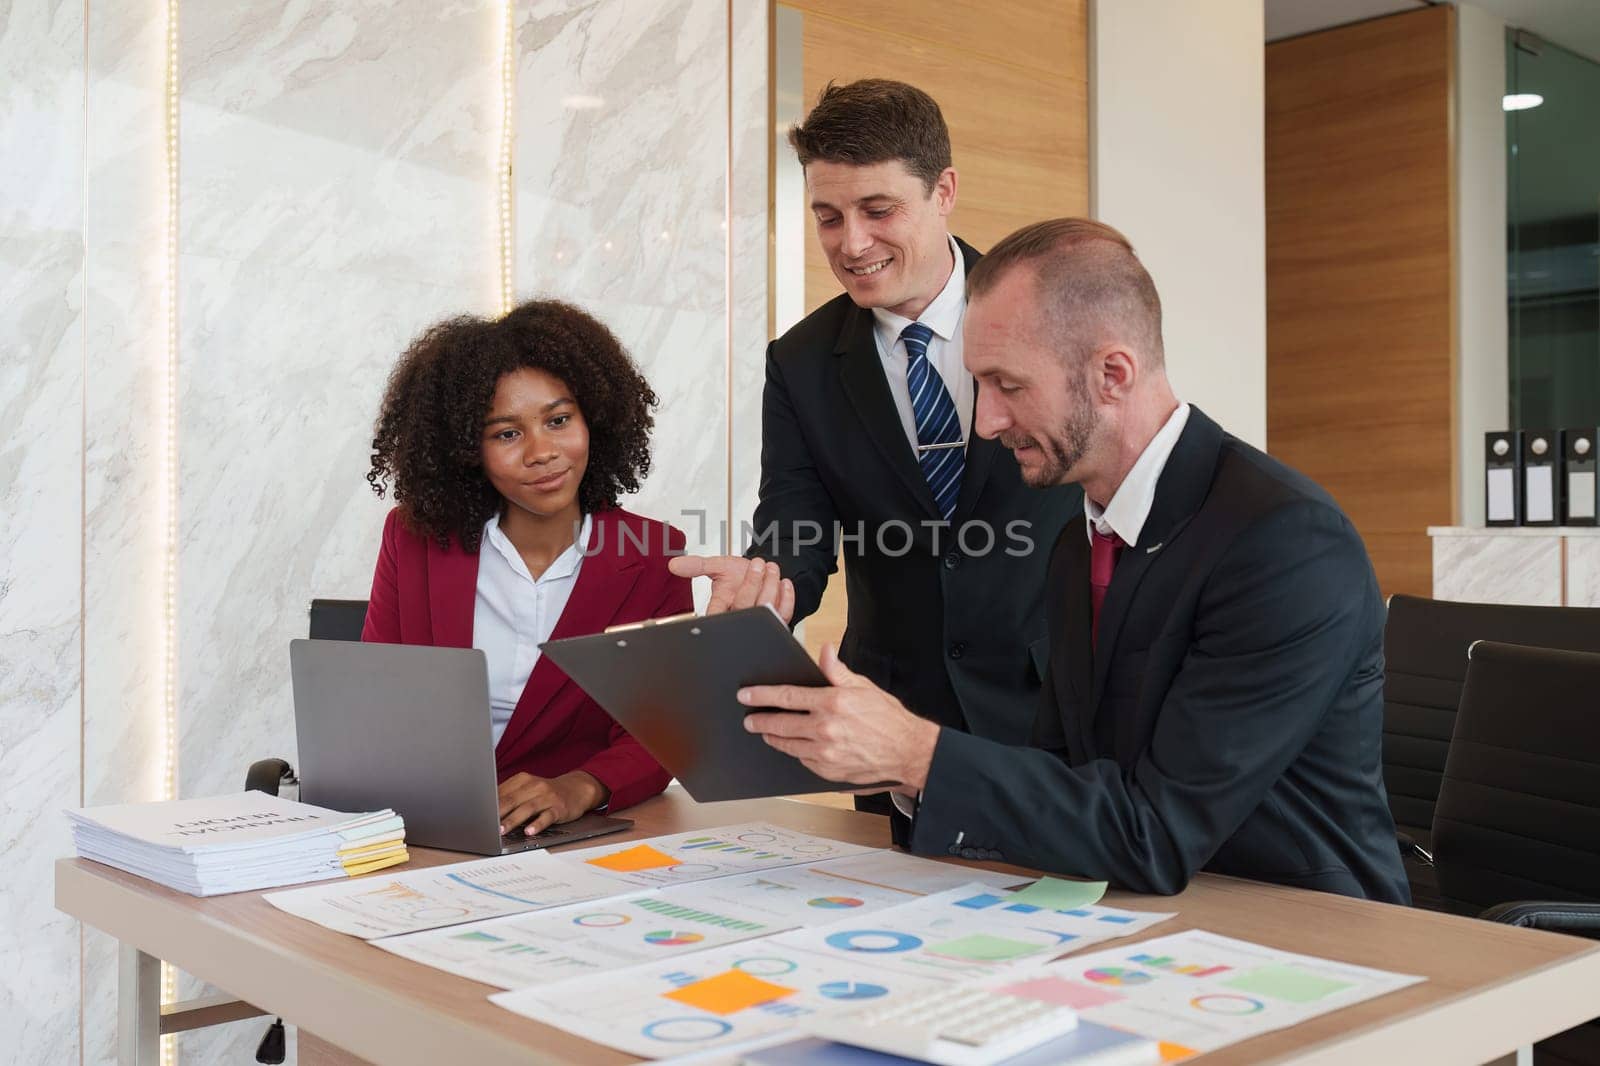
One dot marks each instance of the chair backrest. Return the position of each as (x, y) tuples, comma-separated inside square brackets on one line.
[(1519, 809), (338, 619), (1425, 647)]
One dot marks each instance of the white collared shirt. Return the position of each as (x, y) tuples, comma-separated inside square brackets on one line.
[(943, 316), (515, 612), (1129, 508)]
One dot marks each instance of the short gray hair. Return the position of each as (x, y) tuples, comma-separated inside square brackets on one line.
[(1091, 281)]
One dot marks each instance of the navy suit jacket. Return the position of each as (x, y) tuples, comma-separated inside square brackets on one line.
[(1229, 718)]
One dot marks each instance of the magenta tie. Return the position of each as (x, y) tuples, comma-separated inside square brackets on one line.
[(1103, 553)]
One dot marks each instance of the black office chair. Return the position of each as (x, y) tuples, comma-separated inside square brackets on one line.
[(1516, 832), (1425, 644), (330, 620), (338, 619)]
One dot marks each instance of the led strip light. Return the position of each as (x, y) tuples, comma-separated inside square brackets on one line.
[(169, 769), (169, 775), (508, 99)]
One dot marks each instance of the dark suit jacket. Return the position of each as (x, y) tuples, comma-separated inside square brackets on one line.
[(1229, 718), (425, 594), (943, 622)]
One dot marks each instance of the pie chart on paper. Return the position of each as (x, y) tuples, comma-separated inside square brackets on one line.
[(666, 938), (852, 990), (1117, 975), (874, 941), (834, 902)]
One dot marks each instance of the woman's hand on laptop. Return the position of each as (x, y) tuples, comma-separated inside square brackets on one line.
[(540, 802)]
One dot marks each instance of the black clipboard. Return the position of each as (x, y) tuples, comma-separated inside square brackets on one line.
[(672, 683)]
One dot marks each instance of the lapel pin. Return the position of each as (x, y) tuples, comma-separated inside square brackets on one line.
[(1153, 548)]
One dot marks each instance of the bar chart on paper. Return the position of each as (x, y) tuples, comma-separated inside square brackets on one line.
[(967, 932), (552, 945), (702, 854), (414, 900), (877, 954), (1196, 991), (710, 999)]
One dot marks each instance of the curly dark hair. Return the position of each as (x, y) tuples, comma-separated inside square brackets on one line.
[(428, 438)]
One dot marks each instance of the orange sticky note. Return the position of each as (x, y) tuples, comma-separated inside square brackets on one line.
[(728, 992), (642, 857), (1175, 1052)]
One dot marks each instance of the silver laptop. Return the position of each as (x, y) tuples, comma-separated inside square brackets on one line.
[(407, 727)]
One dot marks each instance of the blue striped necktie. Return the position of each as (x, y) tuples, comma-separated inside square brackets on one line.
[(936, 420)]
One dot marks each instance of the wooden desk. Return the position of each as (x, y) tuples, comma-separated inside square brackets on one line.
[(1490, 988)]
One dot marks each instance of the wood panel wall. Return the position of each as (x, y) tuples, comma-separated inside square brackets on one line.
[(1011, 79), (1013, 82), (1361, 346)]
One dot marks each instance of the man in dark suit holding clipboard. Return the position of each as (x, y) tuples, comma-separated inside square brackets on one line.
[(866, 442), (1215, 696)]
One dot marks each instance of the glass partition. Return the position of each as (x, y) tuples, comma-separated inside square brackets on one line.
[(1553, 242)]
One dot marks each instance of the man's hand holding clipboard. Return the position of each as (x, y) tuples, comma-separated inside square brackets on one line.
[(852, 732)]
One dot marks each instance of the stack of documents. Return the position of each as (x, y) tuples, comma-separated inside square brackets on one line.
[(238, 843)]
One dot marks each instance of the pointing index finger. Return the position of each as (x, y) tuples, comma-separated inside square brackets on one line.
[(690, 566)]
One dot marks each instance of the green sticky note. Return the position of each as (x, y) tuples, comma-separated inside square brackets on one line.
[(1288, 983), (1052, 893), (981, 947)]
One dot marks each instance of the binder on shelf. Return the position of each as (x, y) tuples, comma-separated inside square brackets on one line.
[(1578, 476), (1541, 488), (1502, 487)]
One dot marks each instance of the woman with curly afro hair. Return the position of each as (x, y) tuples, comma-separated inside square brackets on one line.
[(507, 444)]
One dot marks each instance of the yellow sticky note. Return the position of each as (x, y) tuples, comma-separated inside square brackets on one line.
[(642, 857), (365, 862), (349, 855), (378, 864), (729, 992)]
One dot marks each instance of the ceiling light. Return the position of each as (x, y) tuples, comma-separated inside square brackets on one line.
[(1521, 101)]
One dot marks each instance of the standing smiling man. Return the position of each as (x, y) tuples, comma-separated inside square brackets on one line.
[(867, 444)]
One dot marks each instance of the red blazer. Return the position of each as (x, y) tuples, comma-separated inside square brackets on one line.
[(425, 594)]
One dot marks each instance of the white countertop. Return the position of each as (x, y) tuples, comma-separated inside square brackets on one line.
[(1514, 531)]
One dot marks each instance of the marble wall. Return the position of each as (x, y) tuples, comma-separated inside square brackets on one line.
[(1548, 566), (1520, 566), (623, 206), (621, 173), (41, 515), (1583, 570), (337, 194), (124, 487)]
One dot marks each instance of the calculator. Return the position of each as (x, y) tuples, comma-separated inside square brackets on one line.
[(959, 1026)]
